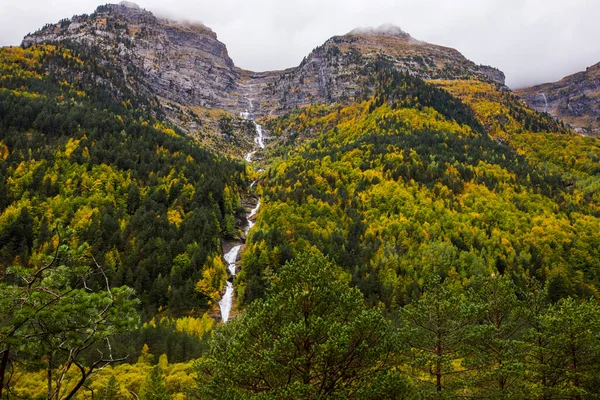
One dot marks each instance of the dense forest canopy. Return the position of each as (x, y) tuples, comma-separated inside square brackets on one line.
[(89, 166), (151, 204), (397, 189)]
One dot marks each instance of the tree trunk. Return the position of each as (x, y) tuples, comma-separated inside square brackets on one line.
[(438, 366), (50, 376), (574, 369), (3, 365), (80, 383)]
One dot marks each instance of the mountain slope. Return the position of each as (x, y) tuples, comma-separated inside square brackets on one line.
[(107, 175), (399, 189), (343, 67), (401, 161), (574, 99), (182, 62)]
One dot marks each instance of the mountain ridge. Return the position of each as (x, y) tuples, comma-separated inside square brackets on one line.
[(187, 64)]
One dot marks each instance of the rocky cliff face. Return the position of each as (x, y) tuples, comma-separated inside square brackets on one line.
[(186, 64), (574, 99), (340, 69)]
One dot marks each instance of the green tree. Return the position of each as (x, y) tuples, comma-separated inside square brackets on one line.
[(155, 387), (59, 312), (435, 329), (566, 346), (111, 390), (537, 375), (311, 337), (497, 356)]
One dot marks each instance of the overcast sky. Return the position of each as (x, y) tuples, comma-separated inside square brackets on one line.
[(532, 41)]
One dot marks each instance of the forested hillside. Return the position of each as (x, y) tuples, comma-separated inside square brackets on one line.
[(410, 185), (150, 203), (87, 166), (416, 240)]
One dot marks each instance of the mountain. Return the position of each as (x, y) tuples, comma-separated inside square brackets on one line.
[(397, 180), (182, 62), (186, 66), (574, 99), (342, 68)]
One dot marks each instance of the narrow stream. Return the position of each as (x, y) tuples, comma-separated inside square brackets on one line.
[(231, 256)]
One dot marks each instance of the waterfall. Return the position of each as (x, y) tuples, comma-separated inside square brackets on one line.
[(250, 215), (254, 210), (226, 302), (259, 139), (231, 257), (545, 102)]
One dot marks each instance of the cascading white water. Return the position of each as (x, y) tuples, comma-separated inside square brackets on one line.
[(248, 157), (254, 210), (545, 102), (231, 257), (259, 139), (250, 215), (226, 302)]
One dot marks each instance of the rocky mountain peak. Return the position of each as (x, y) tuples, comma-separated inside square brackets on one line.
[(180, 61), (185, 63), (130, 4)]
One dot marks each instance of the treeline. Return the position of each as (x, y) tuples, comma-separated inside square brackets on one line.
[(500, 111), (404, 90), (313, 336)]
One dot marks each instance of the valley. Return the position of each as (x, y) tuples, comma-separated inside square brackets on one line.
[(386, 220), (231, 257)]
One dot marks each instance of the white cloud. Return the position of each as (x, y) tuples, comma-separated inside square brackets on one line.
[(532, 41)]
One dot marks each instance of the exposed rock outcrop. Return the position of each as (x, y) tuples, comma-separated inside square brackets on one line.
[(182, 62), (186, 64), (574, 99), (337, 70)]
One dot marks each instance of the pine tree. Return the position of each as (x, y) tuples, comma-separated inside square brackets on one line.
[(311, 338), (497, 356), (111, 390), (434, 329), (155, 387), (571, 349)]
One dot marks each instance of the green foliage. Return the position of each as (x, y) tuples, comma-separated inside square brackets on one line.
[(312, 337), (492, 340), (497, 351), (155, 387), (499, 110), (565, 352), (402, 90), (77, 146), (435, 203), (111, 390), (398, 191), (130, 380), (55, 311), (435, 329)]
